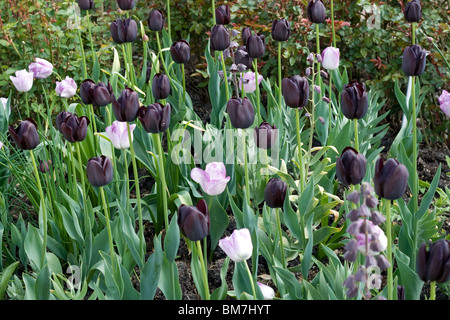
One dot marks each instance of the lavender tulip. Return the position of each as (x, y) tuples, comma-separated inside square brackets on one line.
[(238, 246), (330, 58), (3, 102), (23, 81), (118, 134), (213, 179), (249, 81), (66, 88), (41, 68), (444, 103)]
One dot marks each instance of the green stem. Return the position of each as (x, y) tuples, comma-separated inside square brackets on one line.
[(433, 290), (280, 95), (390, 282), (108, 228), (163, 61), (90, 36), (184, 85), (80, 39), (258, 107), (127, 175), (162, 176), (300, 153), (413, 32), (330, 110), (83, 186), (74, 172), (213, 6), (312, 123), (169, 27), (317, 45), (247, 180), (204, 270), (252, 282), (283, 259), (332, 23), (225, 76), (355, 127), (28, 106)]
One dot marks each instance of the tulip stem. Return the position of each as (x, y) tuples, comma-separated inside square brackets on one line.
[(169, 26), (80, 39), (279, 75), (433, 290), (413, 32), (225, 76), (213, 6), (299, 146), (387, 205), (87, 225), (247, 180), (355, 127), (90, 37), (162, 176), (252, 282), (415, 187), (108, 228), (204, 270), (163, 61), (28, 106), (332, 23), (283, 259), (184, 85), (258, 108)]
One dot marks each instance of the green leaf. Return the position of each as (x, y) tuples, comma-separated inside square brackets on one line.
[(5, 276), (150, 274), (410, 280), (33, 245), (42, 284), (172, 239), (219, 221)]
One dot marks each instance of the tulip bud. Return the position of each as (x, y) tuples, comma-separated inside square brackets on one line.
[(44, 166), (96, 94), (161, 86), (281, 30), (350, 167), (126, 108), (180, 51), (238, 246), (66, 88), (434, 264), (194, 221), (330, 58), (354, 101), (275, 193), (155, 118), (156, 20), (295, 91), (25, 135), (72, 127), (220, 38), (123, 31), (118, 134), (223, 15), (413, 11), (390, 179), (241, 57), (41, 68), (268, 292), (241, 112), (126, 4), (246, 33), (99, 171), (316, 11), (86, 4), (265, 135), (61, 117), (414, 60), (256, 46)]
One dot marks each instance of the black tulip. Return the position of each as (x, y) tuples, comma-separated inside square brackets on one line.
[(126, 4), (434, 264), (156, 20), (275, 193), (123, 31), (223, 15), (73, 128), (246, 33), (180, 51), (99, 171), (281, 30), (265, 134), (220, 38), (241, 57), (295, 91), (86, 4), (414, 60), (155, 118), (25, 135), (86, 91), (390, 179), (96, 94), (61, 117), (316, 11), (350, 167), (241, 112), (194, 221), (354, 100), (44, 166), (413, 11), (256, 45), (161, 86), (126, 107)]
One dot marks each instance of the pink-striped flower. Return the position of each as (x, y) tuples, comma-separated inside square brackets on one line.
[(41, 69), (444, 102), (213, 179)]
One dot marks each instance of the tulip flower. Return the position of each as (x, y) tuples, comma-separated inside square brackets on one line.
[(25, 135), (86, 4), (390, 179), (23, 81), (99, 171), (281, 30), (118, 134), (66, 88), (44, 166), (265, 135), (223, 15), (241, 57), (370, 238), (123, 31), (275, 193), (126, 107), (194, 221), (155, 118), (295, 91), (444, 103), (241, 112), (213, 180), (248, 81), (126, 4), (219, 38), (316, 11), (4, 102), (238, 246), (350, 167), (414, 60), (256, 45), (433, 263), (180, 51), (161, 86), (268, 292), (246, 33), (354, 101), (413, 11), (96, 94), (156, 20), (41, 69), (330, 58), (72, 127)]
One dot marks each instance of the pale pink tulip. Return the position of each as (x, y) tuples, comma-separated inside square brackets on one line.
[(213, 179), (444, 101), (23, 81), (238, 246), (118, 134)]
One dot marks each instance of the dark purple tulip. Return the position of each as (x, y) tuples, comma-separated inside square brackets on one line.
[(155, 118), (72, 127), (123, 31), (161, 86), (241, 112), (180, 51), (414, 60), (126, 107), (316, 11), (256, 45), (99, 171), (86, 91), (61, 117), (354, 101), (194, 221), (241, 57), (96, 94), (44, 166), (350, 167), (390, 179), (223, 15), (434, 264), (281, 30), (265, 134), (220, 38), (295, 91), (86, 4), (413, 11), (126, 4), (25, 135), (156, 20), (246, 33), (275, 193)]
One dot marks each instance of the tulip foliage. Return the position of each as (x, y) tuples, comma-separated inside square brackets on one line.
[(290, 175)]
